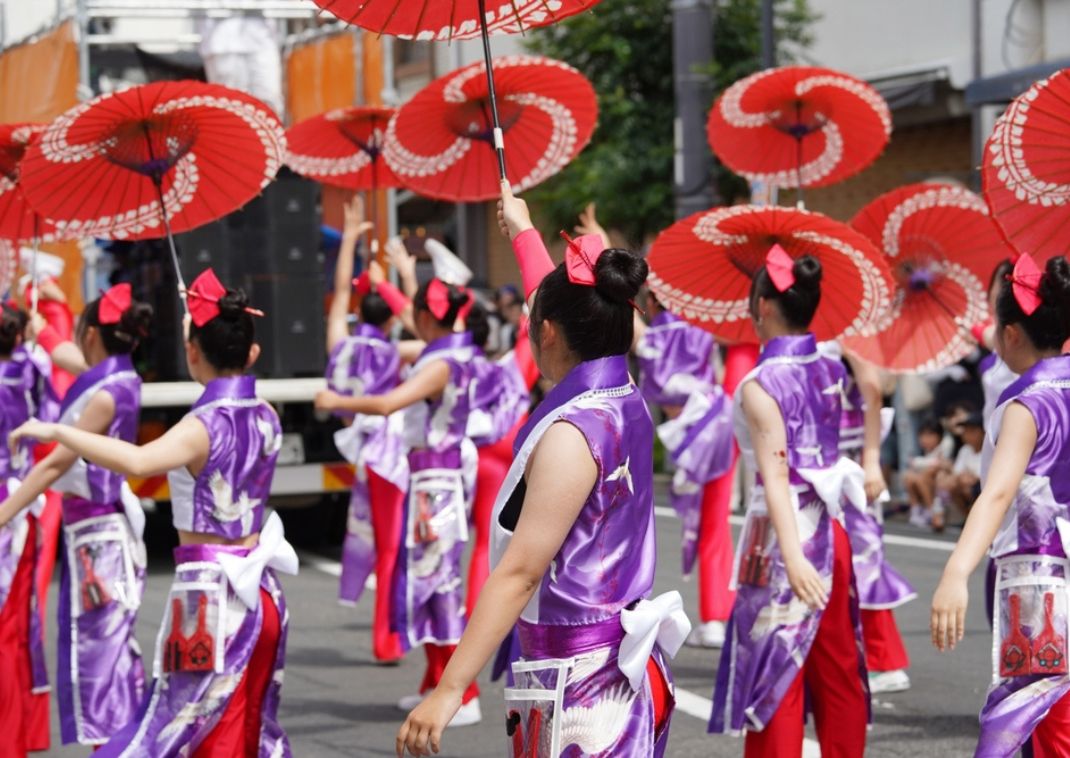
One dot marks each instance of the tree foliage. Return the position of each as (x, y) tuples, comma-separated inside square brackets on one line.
[(625, 48)]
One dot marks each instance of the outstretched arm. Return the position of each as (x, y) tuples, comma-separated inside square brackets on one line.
[(560, 478), (1017, 440), (867, 377), (355, 225), (514, 220), (429, 382)]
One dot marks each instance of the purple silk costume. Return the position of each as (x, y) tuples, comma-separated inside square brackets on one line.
[(100, 676), (581, 687), (213, 614), (676, 371), (880, 586), (771, 630), (366, 363), (498, 399), (1032, 570), (428, 593)]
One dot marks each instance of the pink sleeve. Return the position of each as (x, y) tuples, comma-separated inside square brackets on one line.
[(532, 258), (396, 301)]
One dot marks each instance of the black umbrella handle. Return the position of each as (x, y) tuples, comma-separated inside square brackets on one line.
[(158, 183), (499, 135)]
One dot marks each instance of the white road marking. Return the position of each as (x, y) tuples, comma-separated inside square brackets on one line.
[(891, 539), (700, 707)]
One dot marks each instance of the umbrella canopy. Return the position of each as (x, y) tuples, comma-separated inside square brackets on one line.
[(799, 126), (702, 266), (942, 246), (17, 219), (446, 20), (128, 164), (343, 148), (1027, 169), (441, 143)]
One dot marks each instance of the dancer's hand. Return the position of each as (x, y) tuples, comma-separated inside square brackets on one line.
[(32, 429), (948, 618), (513, 214), (421, 734), (327, 400), (376, 274), (874, 482), (36, 325), (806, 583), (353, 213), (588, 224)]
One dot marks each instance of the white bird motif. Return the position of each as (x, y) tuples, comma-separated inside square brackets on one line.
[(623, 472), (596, 728), (228, 509), (272, 441)]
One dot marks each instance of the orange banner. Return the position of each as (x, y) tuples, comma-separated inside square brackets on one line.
[(320, 76), (39, 80)]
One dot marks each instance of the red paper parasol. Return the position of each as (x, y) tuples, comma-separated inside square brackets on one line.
[(152, 160), (799, 126), (942, 247), (17, 220), (702, 266), (441, 143), (342, 148), (1027, 169)]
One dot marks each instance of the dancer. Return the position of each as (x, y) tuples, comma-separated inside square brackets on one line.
[(574, 543), (367, 363), (795, 624), (25, 392), (1022, 513), (428, 595), (881, 588), (676, 372), (100, 677), (219, 657)]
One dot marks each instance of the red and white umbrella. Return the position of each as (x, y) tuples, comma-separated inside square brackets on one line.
[(342, 147), (702, 267), (799, 126), (153, 160), (17, 219), (1027, 169), (441, 143)]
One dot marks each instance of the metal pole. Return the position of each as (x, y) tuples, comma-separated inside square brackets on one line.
[(692, 37), (3, 24), (768, 34), (977, 130), (499, 135), (85, 86)]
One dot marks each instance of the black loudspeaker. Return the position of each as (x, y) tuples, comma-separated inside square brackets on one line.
[(278, 232), (291, 333), (207, 246)]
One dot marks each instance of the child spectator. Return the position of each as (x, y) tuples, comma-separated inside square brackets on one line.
[(962, 484), (920, 478)]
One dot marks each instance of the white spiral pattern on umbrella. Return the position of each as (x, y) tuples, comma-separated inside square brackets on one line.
[(940, 196), (511, 17), (1008, 157)]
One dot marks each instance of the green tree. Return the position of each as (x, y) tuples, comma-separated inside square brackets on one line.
[(625, 48)]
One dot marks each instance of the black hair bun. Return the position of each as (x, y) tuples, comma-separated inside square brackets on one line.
[(136, 320), (233, 305), (808, 273), (1055, 288), (619, 274)]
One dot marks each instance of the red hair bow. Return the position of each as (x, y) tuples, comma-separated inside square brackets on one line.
[(438, 300), (114, 303), (581, 257), (203, 298), (363, 283), (781, 268), (1025, 283)]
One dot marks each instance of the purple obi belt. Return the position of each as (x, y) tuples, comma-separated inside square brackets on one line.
[(542, 641), (207, 553), (422, 460), (77, 509)]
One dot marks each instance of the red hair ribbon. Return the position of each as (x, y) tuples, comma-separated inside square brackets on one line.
[(438, 300), (114, 303), (203, 298), (781, 268), (581, 257), (363, 283), (1025, 283)]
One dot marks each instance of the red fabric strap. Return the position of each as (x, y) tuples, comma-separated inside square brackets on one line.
[(395, 300), (533, 259)]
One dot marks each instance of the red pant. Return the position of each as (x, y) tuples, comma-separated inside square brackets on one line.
[(238, 731), (47, 543), (387, 505), (1051, 739), (437, 658), (884, 646), (494, 462), (715, 536), (23, 715), (831, 674)]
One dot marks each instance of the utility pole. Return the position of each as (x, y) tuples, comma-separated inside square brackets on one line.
[(768, 35), (692, 40)]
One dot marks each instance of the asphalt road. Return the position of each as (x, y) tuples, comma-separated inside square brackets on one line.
[(337, 702)]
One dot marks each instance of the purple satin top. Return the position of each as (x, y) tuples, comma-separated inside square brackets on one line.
[(670, 347), (498, 399), (440, 425), (1043, 496), (227, 498), (607, 560), (366, 363), (116, 376), (25, 392), (853, 418)]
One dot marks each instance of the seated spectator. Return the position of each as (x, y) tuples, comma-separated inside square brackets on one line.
[(962, 484), (920, 478)]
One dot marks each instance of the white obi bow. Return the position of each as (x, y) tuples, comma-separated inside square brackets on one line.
[(844, 480), (660, 621), (273, 551)]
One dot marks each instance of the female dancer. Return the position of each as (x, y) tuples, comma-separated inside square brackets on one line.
[(25, 392), (1023, 513), (367, 363), (573, 531), (795, 623), (219, 657), (100, 676), (677, 373), (428, 589)]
